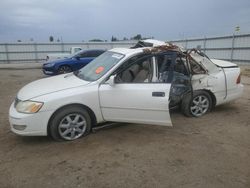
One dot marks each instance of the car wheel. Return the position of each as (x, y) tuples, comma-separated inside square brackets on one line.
[(70, 123), (64, 69), (197, 105)]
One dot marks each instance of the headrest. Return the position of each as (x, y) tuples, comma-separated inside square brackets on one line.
[(134, 68), (145, 65)]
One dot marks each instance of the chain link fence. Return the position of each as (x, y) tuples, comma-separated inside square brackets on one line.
[(37, 52), (235, 48)]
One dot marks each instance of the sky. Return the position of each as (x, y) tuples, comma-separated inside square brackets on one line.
[(83, 20)]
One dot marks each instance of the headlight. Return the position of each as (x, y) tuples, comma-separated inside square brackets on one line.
[(28, 106), (49, 64)]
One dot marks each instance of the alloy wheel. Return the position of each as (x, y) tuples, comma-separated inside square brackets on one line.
[(72, 126), (200, 105), (64, 69)]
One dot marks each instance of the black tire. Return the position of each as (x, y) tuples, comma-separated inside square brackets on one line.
[(188, 107), (64, 69), (56, 121)]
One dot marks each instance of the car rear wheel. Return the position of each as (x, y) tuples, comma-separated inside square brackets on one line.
[(70, 123), (64, 69), (197, 105)]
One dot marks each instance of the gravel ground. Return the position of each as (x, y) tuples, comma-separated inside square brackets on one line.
[(211, 151)]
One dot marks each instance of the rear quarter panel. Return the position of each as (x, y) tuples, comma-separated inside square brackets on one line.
[(234, 90)]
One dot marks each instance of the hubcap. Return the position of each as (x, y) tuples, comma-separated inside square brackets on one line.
[(64, 69), (200, 105), (72, 126)]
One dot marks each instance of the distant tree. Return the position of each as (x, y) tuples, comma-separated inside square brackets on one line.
[(125, 38), (58, 40), (51, 38), (137, 37), (114, 39), (31, 39), (95, 40), (19, 40)]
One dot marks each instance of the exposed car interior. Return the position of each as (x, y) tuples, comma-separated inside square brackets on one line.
[(139, 70), (164, 68), (196, 68), (136, 70)]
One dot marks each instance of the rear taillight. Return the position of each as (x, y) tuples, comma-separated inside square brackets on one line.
[(238, 80)]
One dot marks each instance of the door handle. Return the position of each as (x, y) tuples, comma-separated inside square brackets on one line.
[(158, 94)]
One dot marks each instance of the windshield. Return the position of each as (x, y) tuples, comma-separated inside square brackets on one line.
[(78, 53), (99, 66)]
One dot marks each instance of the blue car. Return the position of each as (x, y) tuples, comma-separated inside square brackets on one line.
[(73, 63)]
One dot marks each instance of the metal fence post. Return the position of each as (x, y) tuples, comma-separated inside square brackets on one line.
[(36, 55), (205, 45), (7, 52), (232, 49), (62, 47), (186, 43)]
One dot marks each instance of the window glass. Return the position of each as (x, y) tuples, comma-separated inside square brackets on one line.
[(77, 49), (206, 62), (83, 54), (170, 66), (95, 53), (164, 65), (99, 66), (196, 68), (136, 70)]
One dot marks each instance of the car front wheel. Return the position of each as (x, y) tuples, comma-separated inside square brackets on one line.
[(197, 105), (70, 123), (64, 69)]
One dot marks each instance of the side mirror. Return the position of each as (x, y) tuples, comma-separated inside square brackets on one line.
[(111, 80)]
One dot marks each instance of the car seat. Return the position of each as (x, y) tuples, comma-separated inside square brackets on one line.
[(144, 74)]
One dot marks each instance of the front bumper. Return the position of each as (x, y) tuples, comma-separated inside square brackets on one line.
[(49, 70), (35, 124)]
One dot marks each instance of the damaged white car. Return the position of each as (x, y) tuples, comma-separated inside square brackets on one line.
[(137, 85)]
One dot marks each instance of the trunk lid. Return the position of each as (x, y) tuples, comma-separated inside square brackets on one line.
[(224, 64)]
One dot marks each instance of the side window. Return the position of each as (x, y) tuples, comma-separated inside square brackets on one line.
[(180, 66), (170, 66), (90, 54), (136, 70), (165, 66), (84, 54), (77, 50), (164, 63), (196, 68), (95, 53)]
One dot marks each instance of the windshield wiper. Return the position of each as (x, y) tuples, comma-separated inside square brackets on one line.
[(76, 73)]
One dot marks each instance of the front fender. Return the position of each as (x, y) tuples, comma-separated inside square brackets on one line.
[(85, 95)]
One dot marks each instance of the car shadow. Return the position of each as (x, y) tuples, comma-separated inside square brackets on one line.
[(33, 140), (230, 107)]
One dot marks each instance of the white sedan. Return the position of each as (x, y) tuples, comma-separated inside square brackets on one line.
[(136, 85)]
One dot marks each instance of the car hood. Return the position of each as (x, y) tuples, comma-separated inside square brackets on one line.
[(222, 63), (50, 85), (62, 60)]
